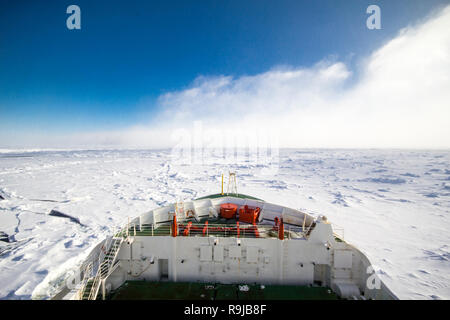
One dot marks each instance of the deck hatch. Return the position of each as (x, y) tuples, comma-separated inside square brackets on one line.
[(342, 259), (218, 253), (234, 252), (252, 254), (206, 253)]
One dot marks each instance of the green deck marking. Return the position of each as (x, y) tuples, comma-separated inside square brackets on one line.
[(280, 292), (226, 292), (236, 195), (143, 290)]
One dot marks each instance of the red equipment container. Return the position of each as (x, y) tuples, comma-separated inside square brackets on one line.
[(249, 214), (228, 210)]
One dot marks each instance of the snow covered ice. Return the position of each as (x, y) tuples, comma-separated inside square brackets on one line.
[(393, 205)]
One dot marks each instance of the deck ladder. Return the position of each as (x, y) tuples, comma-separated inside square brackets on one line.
[(105, 267)]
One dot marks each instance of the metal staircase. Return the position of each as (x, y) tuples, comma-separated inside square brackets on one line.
[(93, 285)]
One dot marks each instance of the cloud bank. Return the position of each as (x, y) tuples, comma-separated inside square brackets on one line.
[(400, 97)]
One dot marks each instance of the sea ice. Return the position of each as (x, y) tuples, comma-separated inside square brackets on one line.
[(393, 205)]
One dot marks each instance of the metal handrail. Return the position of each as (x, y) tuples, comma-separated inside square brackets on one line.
[(102, 273), (226, 230), (87, 273)]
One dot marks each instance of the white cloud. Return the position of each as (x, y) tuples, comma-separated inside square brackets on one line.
[(400, 99)]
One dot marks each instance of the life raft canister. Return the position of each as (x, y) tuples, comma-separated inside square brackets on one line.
[(228, 210), (249, 214)]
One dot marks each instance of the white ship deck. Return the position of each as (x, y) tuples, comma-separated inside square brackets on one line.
[(193, 242)]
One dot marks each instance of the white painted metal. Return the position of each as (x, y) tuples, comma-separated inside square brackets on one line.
[(311, 255)]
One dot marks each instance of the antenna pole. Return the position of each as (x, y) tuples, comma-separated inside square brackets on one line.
[(232, 183)]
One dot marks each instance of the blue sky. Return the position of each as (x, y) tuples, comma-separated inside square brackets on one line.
[(109, 74)]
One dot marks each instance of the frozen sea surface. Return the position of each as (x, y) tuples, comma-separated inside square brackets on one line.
[(393, 205)]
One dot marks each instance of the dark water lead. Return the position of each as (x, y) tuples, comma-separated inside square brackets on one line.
[(56, 213), (4, 237)]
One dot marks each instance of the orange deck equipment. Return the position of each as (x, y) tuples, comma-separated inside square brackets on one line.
[(249, 214), (228, 210)]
